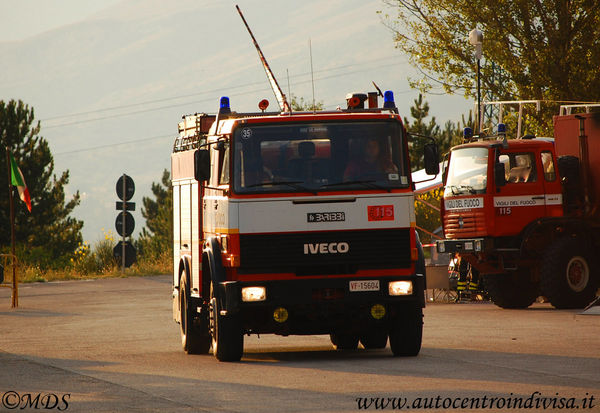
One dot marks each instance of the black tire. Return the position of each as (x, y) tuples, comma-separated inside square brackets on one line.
[(195, 336), (512, 290), (226, 331), (569, 277), (344, 341), (406, 331), (568, 168), (374, 339)]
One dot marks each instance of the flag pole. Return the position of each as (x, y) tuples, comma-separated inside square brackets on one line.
[(15, 297)]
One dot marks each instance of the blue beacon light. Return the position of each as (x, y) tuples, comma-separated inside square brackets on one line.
[(388, 100), (467, 133), (224, 105)]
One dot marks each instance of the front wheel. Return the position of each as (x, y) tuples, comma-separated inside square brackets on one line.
[(195, 337), (512, 290), (406, 331), (569, 276), (226, 332)]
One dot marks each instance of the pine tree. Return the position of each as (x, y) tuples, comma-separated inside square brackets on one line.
[(157, 237), (419, 112), (49, 234)]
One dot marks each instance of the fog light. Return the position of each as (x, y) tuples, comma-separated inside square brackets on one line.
[(441, 247), (254, 294), (377, 311), (280, 315), (400, 288)]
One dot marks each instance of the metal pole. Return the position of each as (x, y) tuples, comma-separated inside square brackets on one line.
[(123, 227), (15, 294), (479, 120)]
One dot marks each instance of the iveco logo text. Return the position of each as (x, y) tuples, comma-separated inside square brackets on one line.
[(326, 248)]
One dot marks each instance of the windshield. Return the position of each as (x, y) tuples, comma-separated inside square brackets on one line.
[(467, 172), (318, 157)]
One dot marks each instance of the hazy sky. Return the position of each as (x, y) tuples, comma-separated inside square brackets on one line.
[(25, 18), (110, 79)]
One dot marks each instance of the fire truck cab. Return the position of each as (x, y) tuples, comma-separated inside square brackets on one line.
[(296, 223), (524, 213)]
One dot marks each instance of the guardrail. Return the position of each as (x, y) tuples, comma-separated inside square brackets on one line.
[(9, 265)]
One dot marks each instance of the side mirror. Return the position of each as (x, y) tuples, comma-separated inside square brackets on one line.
[(432, 159), (220, 146), (499, 175), (202, 165)]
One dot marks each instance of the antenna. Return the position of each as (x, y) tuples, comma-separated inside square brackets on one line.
[(283, 104), (287, 71), (312, 78)]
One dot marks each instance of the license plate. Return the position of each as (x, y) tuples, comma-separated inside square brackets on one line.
[(366, 285)]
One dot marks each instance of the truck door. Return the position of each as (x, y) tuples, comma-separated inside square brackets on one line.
[(552, 185), (522, 199)]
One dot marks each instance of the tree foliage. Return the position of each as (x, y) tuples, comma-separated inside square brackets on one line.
[(49, 234), (303, 105), (445, 137), (543, 49), (157, 237)]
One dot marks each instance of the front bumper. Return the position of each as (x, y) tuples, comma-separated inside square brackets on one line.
[(318, 306), (473, 245)]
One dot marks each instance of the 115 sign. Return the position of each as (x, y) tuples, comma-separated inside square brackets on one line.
[(380, 212)]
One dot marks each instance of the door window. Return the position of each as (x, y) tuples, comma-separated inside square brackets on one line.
[(519, 167), (548, 165)]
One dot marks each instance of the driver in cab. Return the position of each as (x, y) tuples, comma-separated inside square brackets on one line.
[(372, 165)]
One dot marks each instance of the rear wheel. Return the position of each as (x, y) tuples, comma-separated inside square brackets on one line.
[(195, 336), (406, 331), (226, 332), (344, 341), (374, 339), (512, 290), (568, 275)]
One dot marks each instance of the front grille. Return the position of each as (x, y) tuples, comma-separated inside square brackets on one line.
[(473, 225), (303, 253)]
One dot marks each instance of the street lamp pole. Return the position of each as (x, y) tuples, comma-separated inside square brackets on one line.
[(476, 40)]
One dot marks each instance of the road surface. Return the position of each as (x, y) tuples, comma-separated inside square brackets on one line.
[(111, 345)]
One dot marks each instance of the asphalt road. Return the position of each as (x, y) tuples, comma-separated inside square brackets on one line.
[(111, 345)]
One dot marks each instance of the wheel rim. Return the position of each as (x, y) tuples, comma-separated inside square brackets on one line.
[(183, 314), (578, 274), (213, 322)]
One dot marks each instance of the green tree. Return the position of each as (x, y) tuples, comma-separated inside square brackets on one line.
[(302, 105), (419, 112), (47, 235), (545, 49), (157, 237)]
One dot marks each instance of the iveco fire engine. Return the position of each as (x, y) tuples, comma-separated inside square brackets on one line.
[(296, 223)]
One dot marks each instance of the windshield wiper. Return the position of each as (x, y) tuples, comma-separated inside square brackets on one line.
[(457, 190), (369, 184), (468, 188), (292, 184)]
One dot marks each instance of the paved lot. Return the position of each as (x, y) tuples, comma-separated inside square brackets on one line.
[(111, 345)]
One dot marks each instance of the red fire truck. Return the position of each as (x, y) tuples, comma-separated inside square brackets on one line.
[(525, 213), (297, 223)]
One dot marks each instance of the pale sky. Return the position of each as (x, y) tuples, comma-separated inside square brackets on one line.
[(110, 79)]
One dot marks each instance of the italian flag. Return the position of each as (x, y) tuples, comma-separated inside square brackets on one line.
[(19, 181)]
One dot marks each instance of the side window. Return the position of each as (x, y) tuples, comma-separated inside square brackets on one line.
[(224, 166), (548, 165), (519, 167)]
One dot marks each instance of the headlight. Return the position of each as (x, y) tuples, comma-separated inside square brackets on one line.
[(400, 288), (468, 246), (441, 247), (254, 294)]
